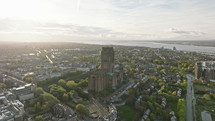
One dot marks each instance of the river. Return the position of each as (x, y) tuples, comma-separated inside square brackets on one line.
[(191, 48)]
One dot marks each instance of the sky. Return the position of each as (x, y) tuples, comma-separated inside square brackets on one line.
[(106, 20)]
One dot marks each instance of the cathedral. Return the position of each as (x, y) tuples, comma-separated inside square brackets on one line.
[(205, 70), (109, 76)]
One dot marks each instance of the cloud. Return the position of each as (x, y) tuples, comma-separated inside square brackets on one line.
[(11, 25), (95, 32), (56, 29), (185, 32), (72, 28), (110, 19), (131, 4)]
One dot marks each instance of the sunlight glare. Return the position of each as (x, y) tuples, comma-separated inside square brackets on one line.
[(24, 9)]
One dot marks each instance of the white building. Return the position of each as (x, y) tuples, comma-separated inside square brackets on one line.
[(10, 109), (25, 92)]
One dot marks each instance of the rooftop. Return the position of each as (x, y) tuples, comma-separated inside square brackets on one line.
[(9, 108)]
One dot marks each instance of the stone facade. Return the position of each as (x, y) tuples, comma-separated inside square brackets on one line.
[(110, 75), (198, 70), (97, 81), (205, 70), (107, 59)]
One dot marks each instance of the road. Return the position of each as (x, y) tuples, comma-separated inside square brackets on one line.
[(51, 62), (8, 72), (14, 78), (189, 98), (159, 55), (102, 109), (119, 91)]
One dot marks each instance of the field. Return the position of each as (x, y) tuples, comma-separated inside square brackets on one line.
[(199, 87), (201, 103), (205, 105), (127, 113)]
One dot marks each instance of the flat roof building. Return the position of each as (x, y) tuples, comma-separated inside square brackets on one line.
[(10, 109), (25, 92)]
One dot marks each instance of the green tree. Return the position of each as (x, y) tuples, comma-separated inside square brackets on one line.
[(163, 71), (184, 83), (81, 108), (43, 103), (148, 119), (207, 97), (157, 105), (132, 96), (151, 106), (153, 78), (57, 91), (72, 93), (62, 83), (2, 86), (174, 93), (50, 99), (38, 91), (71, 84), (212, 96), (37, 107), (65, 97), (83, 83), (170, 98), (38, 118), (181, 109), (152, 117), (28, 79)]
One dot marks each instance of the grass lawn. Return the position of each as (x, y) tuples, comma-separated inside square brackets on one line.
[(200, 87), (204, 105), (126, 112)]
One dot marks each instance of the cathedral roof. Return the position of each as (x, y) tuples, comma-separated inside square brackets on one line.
[(110, 73)]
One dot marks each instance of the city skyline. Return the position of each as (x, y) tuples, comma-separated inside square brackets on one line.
[(106, 20)]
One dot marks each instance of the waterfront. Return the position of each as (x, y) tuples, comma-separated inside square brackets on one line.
[(191, 48)]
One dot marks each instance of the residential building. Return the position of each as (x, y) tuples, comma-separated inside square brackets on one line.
[(112, 116), (10, 109), (61, 110), (206, 116)]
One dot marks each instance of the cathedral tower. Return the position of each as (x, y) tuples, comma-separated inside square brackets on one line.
[(107, 59)]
